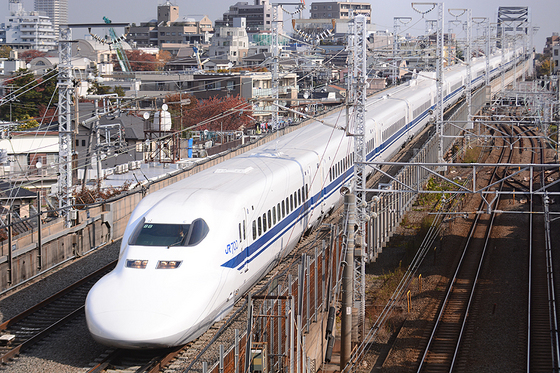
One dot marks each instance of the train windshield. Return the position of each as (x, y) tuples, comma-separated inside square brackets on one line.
[(154, 234)]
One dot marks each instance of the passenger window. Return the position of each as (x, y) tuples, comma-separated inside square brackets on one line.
[(306, 191), (264, 222), (260, 227), (244, 229), (240, 232), (254, 230), (278, 212), (273, 214), (299, 197), (269, 220), (291, 202), (283, 209)]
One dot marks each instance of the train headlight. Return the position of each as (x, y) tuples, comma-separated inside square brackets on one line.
[(134, 263), (169, 264)]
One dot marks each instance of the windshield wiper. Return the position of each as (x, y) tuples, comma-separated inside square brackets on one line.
[(175, 243)]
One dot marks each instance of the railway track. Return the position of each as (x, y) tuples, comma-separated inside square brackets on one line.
[(449, 326), (39, 321), (542, 341)]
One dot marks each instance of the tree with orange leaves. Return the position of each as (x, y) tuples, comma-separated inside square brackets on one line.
[(139, 61), (213, 114)]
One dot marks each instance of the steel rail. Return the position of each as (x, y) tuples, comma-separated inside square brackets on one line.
[(451, 287), (49, 327)]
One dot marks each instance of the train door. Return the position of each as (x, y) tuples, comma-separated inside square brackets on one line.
[(318, 179), (311, 173), (246, 236)]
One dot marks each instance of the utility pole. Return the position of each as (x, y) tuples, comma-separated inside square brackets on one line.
[(65, 132), (275, 57), (357, 80), (467, 57), (65, 124), (439, 69), (439, 80), (468, 62), (397, 22), (347, 284)]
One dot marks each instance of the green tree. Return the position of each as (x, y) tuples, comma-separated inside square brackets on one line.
[(29, 97), (98, 89), (544, 68), (5, 51), (119, 90)]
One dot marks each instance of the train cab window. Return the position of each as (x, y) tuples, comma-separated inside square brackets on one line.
[(264, 222), (199, 230), (260, 227), (273, 214), (291, 202), (283, 209), (299, 197), (254, 230), (154, 234), (269, 220)]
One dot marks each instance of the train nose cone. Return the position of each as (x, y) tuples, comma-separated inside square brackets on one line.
[(133, 329), (133, 316)]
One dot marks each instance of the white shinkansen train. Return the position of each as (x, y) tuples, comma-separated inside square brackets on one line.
[(193, 248)]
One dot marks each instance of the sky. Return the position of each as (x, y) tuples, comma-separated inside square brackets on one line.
[(545, 14)]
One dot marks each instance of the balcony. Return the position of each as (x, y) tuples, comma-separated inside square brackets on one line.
[(263, 92), (269, 92)]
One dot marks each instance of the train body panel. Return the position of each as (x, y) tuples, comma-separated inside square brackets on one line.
[(191, 249)]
